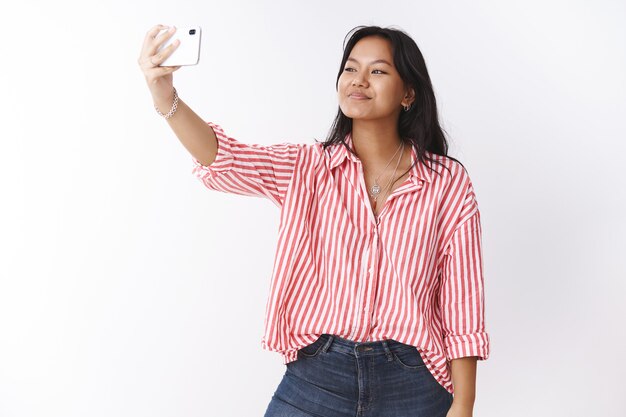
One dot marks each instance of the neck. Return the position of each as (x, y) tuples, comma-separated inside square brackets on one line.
[(374, 142)]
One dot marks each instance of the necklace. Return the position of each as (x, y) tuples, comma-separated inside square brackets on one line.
[(375, 189)]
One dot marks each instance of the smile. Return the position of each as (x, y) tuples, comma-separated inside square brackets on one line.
[(358, 97)]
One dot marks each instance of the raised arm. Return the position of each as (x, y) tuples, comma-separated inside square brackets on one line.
[(195, 135), (250, 169), (222, 163)]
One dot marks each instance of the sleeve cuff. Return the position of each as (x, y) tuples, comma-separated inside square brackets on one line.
[(463, 345), (223, 159)]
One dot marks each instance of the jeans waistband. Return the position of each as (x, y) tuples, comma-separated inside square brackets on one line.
[(339, 344)]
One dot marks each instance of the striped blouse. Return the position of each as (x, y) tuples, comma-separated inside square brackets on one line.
[(413, 274)]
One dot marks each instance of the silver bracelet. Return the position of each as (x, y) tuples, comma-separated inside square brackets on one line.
[(172, 110)]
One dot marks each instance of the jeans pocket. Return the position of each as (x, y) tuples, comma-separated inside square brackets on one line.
[(409, 358), (312, 350)]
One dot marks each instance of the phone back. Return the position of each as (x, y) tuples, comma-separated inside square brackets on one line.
[(188, 51)]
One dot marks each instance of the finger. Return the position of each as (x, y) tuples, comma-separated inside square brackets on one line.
[(154, 40), (160, 39), (158, 58), (151, 34), (145, 63), (154, 30), (146, 48)]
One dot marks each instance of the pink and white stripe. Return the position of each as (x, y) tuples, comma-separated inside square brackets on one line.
[(414, 274)]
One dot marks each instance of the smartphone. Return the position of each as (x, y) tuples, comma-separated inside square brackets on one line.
[(188, 51)]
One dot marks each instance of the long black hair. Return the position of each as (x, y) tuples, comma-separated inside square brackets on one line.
[(418, 126)]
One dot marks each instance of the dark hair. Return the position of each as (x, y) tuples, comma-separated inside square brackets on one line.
[(420, 125)]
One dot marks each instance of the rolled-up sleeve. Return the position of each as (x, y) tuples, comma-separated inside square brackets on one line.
[(462, 293), (249, 169)]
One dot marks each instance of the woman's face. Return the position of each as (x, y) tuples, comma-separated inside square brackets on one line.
[(369, 86)]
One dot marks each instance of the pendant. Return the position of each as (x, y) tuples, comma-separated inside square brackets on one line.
[(375, 189)]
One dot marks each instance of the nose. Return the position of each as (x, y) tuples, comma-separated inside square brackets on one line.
[(358, 81)]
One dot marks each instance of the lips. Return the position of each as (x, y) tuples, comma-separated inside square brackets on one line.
[(358, 96)]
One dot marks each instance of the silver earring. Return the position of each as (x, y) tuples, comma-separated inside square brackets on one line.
[(407, 108)]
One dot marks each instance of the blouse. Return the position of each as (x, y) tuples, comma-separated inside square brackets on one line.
[(414, 273)]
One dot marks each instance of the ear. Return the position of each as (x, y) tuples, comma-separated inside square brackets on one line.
[(409, 96)]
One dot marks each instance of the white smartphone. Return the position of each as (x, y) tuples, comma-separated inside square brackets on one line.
[(188, 51)]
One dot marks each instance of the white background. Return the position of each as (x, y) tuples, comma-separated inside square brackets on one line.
[(128, 289)]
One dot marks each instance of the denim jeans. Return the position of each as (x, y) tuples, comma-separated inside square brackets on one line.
[(336, 377)]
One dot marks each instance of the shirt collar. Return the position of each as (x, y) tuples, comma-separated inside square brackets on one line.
[(340, 153)]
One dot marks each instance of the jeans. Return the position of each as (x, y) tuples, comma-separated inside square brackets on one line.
[(336, 377)]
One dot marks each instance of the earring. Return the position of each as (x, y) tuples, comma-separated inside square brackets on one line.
[(407, 108)]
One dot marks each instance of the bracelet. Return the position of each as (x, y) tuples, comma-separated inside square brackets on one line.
[(172, 110)]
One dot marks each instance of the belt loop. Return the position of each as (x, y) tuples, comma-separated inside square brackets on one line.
[(328, 343), (387, 351)]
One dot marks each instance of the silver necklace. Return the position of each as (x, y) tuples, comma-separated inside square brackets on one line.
[(375, 189)]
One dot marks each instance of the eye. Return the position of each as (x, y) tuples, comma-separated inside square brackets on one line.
[(380, 71), (348, 69)]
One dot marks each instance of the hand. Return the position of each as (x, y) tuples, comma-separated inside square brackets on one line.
[(159, 79), (459, 410)]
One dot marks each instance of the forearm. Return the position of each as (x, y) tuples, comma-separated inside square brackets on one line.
[(464, 380), (193, 132)]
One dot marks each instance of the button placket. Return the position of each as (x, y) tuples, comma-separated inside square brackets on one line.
[(372, 288)]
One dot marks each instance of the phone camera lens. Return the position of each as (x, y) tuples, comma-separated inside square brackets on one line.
[(192, 31)]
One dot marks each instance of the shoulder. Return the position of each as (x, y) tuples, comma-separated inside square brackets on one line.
[(316, 151), (455, 190), (447, 171)]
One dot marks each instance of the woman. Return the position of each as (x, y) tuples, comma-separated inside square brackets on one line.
[(376, 300)]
